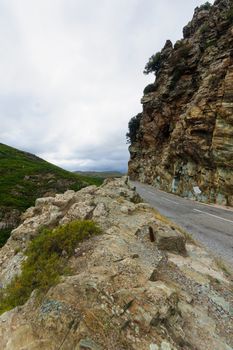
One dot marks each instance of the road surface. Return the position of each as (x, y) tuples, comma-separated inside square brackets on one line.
[(211, 225)]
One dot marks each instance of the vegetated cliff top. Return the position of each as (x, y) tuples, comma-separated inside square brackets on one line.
[(183, 139), (129, 279), (25, 177)]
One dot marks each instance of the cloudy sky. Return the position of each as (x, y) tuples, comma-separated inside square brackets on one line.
[(71, 74)]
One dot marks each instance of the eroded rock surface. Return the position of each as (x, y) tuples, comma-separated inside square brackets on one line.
[(184, 143), (127, 290)]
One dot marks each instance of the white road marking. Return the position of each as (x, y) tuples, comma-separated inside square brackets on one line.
[(150, 192), (169, 200), (215, 216)]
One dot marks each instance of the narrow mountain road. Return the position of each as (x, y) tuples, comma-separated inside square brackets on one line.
[(212, 226)]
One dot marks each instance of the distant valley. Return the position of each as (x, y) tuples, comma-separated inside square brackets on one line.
[(25, 177), (100, 174)]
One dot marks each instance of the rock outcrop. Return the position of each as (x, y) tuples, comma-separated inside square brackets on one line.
[(142, 284), (184, 142)]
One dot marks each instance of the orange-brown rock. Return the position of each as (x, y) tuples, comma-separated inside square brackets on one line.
[(184, 143)]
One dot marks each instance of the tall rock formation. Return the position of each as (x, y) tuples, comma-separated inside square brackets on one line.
[(183, 142)]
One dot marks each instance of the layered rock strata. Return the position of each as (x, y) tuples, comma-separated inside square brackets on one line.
[(184, 143), (140, 285)]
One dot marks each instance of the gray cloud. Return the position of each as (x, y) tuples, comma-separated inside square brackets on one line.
[(71, 74)]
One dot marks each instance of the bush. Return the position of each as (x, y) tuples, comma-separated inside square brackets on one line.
[(181, 53), (154, 64), (4, 235), (184, 51), (177, 74), (209, 43), (149, 88), (47, 257), (229, 14), (133, 126), (205, 6), (204, 28), (178, 44)]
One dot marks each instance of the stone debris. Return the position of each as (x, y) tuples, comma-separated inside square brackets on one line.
[(87, 344)]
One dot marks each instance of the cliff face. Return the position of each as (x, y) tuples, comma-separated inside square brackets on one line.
[(184, 142)]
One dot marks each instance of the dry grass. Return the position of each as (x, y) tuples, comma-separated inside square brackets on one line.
[(189, 238), (224, 267)]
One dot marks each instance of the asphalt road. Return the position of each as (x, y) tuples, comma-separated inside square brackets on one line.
[(211, 225)]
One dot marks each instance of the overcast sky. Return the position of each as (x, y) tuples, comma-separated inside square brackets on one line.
[(71, 74)]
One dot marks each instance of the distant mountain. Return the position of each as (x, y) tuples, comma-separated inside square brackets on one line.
[(25, 177), (101, 174)]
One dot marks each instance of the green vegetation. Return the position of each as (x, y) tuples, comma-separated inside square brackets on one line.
[(184, 51), (205, 6), (177, 74), (25, 177), (133, 126), (178, 44), (149, 88), (205, 40), (4, 235), (179, 61), (209, 43), (204, 28), (47, 258), (154, 64), (100, 175), (229, 15)]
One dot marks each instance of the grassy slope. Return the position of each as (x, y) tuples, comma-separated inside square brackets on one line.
[(25, 177)]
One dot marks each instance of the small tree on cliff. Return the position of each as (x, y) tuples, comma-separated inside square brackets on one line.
[(133, 126), (154, 64), (206, 6)]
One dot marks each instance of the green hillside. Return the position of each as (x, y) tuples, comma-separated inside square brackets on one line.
[(25, 177)]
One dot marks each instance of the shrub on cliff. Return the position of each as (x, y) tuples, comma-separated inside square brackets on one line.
[(229, 15), (133, 126), (204, 28), (149, 88), (205, 6), (154, 64), (47, 257)]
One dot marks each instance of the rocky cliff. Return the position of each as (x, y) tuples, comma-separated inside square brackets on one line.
[(141, 284), (183, 139)]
